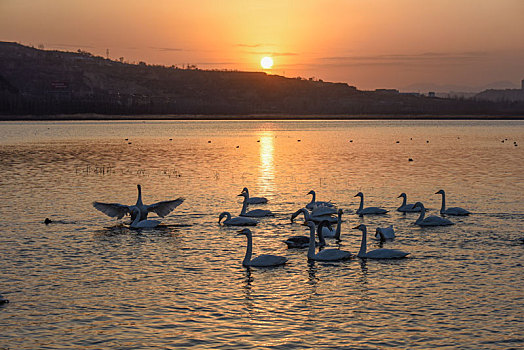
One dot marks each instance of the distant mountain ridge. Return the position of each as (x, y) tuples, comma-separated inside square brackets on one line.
[(426, 87), (41, 82)]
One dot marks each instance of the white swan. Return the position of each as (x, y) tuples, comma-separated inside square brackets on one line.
[(406, 208), (430, 220), (119, 210), (385, 233), (238, 221), (326, 254), (453, 210), (308, 217), (256, 213), (264, 260), (297, 242), (381, 253), (334, 233), (361, 211), (137, 223), (303, 241), (254, 200), (311, 205)]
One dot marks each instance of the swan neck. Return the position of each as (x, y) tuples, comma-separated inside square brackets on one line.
[(137, 218), (307, 217), (421, 216), (443, 207), (139, 199), (404, 200), (339, 225), (363, 243), (311, 250), (321, 240), (313, 199), (244, 206), (361, 206), (249, 250)]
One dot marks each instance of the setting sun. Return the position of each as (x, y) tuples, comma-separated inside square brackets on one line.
[(266, 62)]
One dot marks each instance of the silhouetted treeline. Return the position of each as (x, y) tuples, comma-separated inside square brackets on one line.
[(39, 82)]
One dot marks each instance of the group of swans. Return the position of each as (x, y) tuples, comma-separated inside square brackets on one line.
[(432, 220), (244, 218), (321, 214), (331, 254), (139, 211)]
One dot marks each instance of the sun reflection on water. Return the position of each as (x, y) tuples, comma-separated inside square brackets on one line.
[(266, 179)]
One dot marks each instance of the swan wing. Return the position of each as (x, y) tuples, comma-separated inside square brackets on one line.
[(456, 211), (112, 209), (332, 255), (266, 260), (256, 200), (383, 253), (240, 222), (165, 207), (323, 210)]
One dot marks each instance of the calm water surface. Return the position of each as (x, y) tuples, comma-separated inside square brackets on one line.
[(88, 282)]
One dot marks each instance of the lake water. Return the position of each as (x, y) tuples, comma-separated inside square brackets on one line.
[(87, 281)]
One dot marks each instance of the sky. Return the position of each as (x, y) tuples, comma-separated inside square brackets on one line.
[(369, 44)]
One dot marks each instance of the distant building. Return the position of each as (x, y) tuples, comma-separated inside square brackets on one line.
[(431, 94), (391, 91)]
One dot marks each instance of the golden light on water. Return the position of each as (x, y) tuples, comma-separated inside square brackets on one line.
[(266, 178)]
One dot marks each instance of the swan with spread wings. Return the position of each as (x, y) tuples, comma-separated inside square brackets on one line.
[(118, 211)]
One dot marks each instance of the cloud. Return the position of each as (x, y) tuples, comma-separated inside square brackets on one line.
[(164, 49), (272, 53), (254, 45), (426, 58)]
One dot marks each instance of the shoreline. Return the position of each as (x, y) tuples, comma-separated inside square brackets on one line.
[(276, 117)]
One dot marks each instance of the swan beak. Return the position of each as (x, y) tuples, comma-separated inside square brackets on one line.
[(356, 228), (240, 195)]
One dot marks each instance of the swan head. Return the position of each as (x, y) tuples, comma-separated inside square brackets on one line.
[(402, 195), (340, 212), (243, 194), (419, 205), (245, 232), (139, 187), (245, 190), (360, 194), (311, 192), (222, 216), (360, 227), (440, 192)]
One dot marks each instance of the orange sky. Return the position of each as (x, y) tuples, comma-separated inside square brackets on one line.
[(367, 43)]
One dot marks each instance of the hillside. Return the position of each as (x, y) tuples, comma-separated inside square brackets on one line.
[(38, 82)]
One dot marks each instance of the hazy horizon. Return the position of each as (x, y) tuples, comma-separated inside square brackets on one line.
[(368, 45)]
